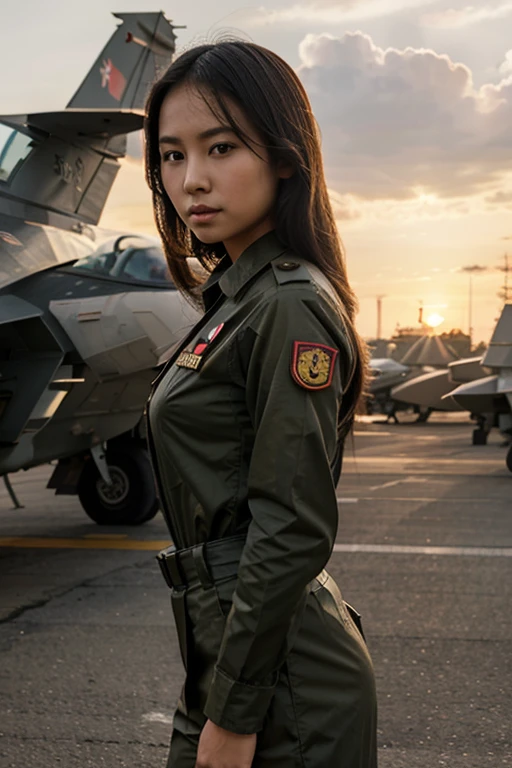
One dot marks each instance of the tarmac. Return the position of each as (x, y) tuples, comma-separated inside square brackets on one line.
[(90, 669)]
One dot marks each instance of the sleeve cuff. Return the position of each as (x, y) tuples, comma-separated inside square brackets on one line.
[(235, 706)]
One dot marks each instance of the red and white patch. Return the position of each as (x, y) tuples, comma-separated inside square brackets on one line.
[(200, 348), (113, 79)]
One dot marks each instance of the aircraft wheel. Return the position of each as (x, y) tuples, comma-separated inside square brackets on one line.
[(480, 437), (424, 415), (509, 459), (130, 499)]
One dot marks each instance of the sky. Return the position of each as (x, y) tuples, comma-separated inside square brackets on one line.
[(414, 102)]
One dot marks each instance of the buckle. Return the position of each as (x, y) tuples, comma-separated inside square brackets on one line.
[(169, 565)]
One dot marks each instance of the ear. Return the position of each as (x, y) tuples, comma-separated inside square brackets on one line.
[(285, 170)]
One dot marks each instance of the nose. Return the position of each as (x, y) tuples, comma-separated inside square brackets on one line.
[(196, 177)]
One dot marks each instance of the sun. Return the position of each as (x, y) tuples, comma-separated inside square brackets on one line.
[(434, 320)]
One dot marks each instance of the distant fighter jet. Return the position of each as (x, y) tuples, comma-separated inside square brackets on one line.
[(405, 385), (385, 374), (83, 323), (490, 398), (427, 392)]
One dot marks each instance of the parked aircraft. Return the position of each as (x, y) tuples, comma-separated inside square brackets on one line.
[(84, 321), (491, 397), (392, 379), (386, 373), (427, 392)]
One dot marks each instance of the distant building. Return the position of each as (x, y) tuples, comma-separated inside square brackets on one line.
[(404, 338), (458, 341)]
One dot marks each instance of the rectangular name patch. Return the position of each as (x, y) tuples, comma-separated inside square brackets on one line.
[(189, 360)]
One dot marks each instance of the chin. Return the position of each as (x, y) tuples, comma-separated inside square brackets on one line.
[(207, 238)]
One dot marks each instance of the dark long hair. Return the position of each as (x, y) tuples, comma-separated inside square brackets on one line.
[(275, 103)]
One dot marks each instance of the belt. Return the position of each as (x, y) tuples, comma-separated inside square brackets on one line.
[(202, 564)]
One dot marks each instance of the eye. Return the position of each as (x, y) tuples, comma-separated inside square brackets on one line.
[(221, 149), (173, 156)]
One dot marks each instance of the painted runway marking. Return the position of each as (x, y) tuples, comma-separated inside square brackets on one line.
[(28, 542), (397, 482), (423, 459), (156, 546), (431, 500), (398, 549), (346, 500), (373, 434), (384, 485), (158, 717)]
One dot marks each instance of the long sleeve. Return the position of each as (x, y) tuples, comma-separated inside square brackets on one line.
[(296, 369)]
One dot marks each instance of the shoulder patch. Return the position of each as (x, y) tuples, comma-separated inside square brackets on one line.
[(313, 364)]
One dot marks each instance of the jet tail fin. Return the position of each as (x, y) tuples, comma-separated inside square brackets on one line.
[(140, 48)]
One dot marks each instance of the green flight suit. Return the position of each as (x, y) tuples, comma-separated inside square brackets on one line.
[(243, 430)]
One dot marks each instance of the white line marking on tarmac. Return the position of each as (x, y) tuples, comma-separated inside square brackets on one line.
[(429, 500), (158, 717), (346, 500), (397, 482), (416, 460), (372, 433), (398, 549), (384, 485)]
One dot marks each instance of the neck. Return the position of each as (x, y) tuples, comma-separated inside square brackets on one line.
[(237, 245)]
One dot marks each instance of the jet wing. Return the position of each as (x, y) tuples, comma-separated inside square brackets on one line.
[(483, 396), (76, 123), (120, 334), (427, 391), (465, 370)]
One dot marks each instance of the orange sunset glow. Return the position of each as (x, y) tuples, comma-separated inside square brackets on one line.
[(414, 106)]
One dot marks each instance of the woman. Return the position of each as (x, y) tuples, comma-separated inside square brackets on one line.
[(247, 420)]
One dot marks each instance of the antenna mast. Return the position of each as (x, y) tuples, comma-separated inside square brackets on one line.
[(379, 315), (506, 290)]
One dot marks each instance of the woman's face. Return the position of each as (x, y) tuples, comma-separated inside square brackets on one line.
[(220, 189)]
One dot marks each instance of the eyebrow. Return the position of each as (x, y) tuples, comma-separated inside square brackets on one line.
[(208, 134)]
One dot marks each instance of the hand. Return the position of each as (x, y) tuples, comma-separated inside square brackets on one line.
[(219, 748)]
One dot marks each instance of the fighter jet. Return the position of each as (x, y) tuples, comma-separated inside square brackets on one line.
[(386, 373), (428, 391), (405, 385), (490, 398), (84, 319)]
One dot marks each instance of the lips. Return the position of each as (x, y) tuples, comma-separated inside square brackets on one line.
[(199, 210), (202, 214)]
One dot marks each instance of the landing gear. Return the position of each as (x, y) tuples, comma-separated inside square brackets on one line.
[(130, 499), (481, 431), (509, 459), (424, 414), (480, 436)]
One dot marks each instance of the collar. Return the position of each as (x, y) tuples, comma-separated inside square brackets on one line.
[(252, 261)]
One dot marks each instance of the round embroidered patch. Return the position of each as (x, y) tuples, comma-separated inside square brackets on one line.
[(313, 364)]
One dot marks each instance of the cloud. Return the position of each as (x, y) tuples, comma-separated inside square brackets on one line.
[(463, 17), (345, 207), (402, 124), (506, 67), (500, 197), (475, 269), (330, 11)]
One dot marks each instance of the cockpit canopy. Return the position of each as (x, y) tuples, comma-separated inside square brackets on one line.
[(15, 146), (128, 259)]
